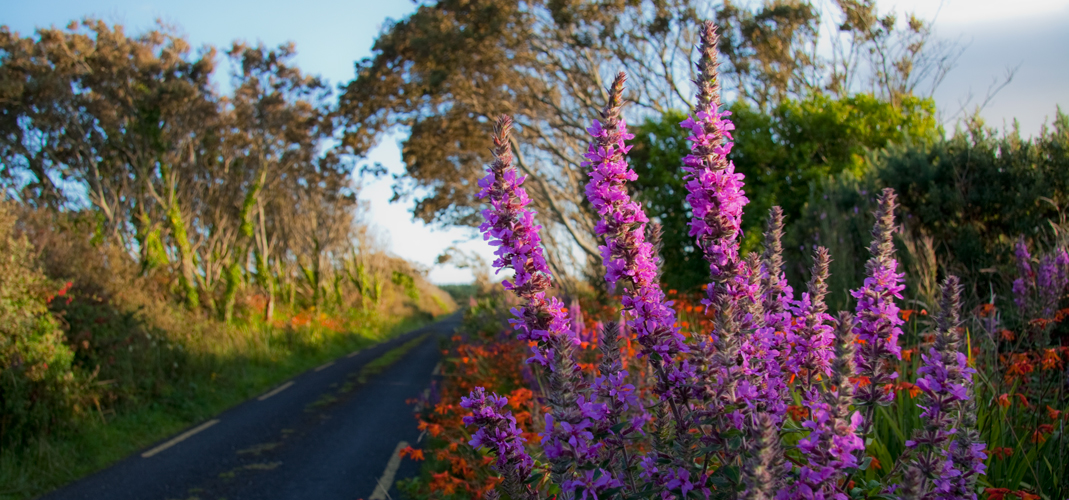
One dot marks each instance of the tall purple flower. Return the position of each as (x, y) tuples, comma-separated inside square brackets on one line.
[(714, 192), (812, 337), (1022, 286), (629, 257), (878, 323), (714, 188), (510, 226), (944, 379), (496, 429), (626, 253), (832, 446), (778, 294), (763, 472)]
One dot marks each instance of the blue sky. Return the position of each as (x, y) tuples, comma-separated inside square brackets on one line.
[(331, 35)]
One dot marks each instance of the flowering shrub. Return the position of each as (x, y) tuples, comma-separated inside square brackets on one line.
[(772, 397)]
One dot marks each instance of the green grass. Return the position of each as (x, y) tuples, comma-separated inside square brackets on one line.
[(214, 382)]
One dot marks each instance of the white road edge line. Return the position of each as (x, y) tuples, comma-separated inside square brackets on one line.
[(178, 439), (382, 490), (354, 353), (324, 366), (437, 369), (276, 391)]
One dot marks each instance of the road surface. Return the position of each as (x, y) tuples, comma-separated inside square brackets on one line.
[(311, 437)]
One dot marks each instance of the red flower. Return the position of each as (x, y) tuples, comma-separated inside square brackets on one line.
[(996, 493), (411, 452)]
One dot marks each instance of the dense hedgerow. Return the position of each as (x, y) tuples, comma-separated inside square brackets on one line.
[(779, 399)]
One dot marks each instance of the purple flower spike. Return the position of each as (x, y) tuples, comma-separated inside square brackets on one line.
[(878, 323), (812, 336), (510, 227), (833, 445), (940, 449), (496, 429), (626, 253)]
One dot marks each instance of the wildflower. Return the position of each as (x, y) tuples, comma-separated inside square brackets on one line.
[(878, 321), (945, 380), (1024, 495), (510, 226), (763, 472), (1002, 453), (1052, 413), (497, 430), (411, 452), (1051, 359), (812, 337), (626, 253), (833, 444), (996, 493)]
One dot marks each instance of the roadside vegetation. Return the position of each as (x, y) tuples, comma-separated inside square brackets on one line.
[(168, 251)]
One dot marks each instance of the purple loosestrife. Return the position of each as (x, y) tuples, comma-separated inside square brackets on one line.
[(629, 257), (619, 400), (778, 294), (944, 379), (714, 192), (496, 429), (832, 446), (1050, 281), (764, 470), (878, 322), (1022, 286), (812, 335), (626, 253), (762, 388), (510, 226), (714, 189), (967, 457)]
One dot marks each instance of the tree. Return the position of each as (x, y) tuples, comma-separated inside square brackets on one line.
[(446, 72), (190, 182)]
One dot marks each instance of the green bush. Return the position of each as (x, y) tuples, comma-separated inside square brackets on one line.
[(964, 202), (35, 365)]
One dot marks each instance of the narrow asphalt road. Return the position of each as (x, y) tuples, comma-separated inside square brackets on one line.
[(319, 437)]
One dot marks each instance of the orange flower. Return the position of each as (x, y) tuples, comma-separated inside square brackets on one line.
[(861, 381), (1007, 335), (913, 389), (1020, 366), (996, 493), (876, 464), (1051, 359), (1038, 436), (1024, 495), (797, 412), (907, 354), (1052, 413), (924, 312), (1004, 400), (987, 310), (412, 452), (906, 313), (1002, 453), (671, 292)]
